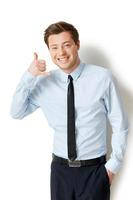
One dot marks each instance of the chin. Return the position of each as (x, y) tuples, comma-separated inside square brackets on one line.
[(63, 66)]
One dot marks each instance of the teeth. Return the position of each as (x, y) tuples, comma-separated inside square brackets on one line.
[(62, 59)]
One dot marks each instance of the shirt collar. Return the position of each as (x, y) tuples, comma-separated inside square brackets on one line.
[(75, 74)]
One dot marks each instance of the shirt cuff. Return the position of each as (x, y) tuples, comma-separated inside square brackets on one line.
[(113, 165)]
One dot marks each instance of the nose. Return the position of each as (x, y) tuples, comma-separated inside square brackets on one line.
[(61, 51)]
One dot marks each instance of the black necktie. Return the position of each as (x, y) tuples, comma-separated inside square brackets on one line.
[(71, 140)]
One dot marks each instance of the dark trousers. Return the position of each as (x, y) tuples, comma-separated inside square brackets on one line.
[(79, 183)]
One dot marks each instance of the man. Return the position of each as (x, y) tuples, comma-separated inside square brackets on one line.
[(77, 98)]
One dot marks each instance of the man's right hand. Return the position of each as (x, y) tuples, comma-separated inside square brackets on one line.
[(37, 67)]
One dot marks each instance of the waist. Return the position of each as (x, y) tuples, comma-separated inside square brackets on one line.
[(79, 163)]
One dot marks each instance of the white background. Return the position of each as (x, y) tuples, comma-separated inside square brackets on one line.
[(106, 36)]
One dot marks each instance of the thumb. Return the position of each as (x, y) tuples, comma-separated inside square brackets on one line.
[(35, 56)]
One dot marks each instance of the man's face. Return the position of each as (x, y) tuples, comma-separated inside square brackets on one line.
[(64, 51)]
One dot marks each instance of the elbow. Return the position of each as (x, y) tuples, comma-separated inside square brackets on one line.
[(16, 116)]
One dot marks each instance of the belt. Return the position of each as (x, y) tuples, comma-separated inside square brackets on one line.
[(79, 163)]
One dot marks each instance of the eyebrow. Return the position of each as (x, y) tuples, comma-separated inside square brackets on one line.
[(63, 43)]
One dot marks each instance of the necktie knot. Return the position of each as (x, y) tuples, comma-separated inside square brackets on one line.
[(70, 78)]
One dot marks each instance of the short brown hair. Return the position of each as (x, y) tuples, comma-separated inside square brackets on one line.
[(60, 27)]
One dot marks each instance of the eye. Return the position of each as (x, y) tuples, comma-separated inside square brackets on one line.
[(67, 45), (54, 48)]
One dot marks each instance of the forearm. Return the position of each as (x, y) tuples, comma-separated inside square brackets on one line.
[(21, 106), (119, 143)]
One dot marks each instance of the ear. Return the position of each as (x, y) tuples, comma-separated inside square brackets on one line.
[(78, 44)]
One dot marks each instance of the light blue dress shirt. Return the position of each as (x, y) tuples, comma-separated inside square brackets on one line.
[(96, 99)]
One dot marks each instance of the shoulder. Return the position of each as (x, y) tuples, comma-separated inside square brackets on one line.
[(91, 68), (98, 75), (97, 71)]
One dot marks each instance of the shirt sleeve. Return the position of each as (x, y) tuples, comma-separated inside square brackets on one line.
[(119, 123), (25, 98)]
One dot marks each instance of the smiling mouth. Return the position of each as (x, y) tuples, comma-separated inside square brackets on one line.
[(64, 59)]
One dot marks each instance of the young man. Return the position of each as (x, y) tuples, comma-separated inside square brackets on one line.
[(77, 98)]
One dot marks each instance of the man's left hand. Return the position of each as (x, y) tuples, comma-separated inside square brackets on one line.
[(111, 176)]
